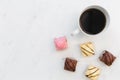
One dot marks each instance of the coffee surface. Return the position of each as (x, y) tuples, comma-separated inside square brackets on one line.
[(92, 21)]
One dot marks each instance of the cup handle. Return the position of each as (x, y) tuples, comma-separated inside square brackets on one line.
[(75, 32)]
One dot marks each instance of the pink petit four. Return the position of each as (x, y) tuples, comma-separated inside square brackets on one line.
[(61, 43)]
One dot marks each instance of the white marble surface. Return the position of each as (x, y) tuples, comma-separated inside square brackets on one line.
[(27, 30)]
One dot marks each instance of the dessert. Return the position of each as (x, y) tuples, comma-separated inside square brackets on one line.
[(87, 49), (70, 64), (107, 58), (92, 72), (61, 43)]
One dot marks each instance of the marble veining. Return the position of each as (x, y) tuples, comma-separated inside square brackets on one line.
[(27, 30)]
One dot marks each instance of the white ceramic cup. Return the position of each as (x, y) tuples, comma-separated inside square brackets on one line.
[(104, 11)]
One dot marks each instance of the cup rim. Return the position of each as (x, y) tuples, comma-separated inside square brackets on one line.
[(105, 12)]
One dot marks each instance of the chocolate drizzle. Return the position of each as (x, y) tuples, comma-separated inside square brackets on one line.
[(107, 58), (70, 64)]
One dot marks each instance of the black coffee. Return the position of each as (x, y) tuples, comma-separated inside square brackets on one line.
[(92, 21)]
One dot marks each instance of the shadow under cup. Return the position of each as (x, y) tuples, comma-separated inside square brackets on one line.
[(93, 20)]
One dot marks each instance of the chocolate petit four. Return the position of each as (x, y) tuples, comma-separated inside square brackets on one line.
[(70, 64), (107, 58)]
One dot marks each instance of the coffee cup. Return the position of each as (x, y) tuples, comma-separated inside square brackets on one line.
[(92, 21)]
